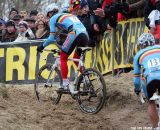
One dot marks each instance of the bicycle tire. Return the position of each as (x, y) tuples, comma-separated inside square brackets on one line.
[(82, 98), (43, 92)]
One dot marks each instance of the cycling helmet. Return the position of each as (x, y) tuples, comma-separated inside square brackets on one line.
[(146, 39), (51, 7), (75, 4)]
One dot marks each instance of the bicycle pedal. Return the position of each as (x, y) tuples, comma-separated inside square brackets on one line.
[(63, 91), (46, 85)]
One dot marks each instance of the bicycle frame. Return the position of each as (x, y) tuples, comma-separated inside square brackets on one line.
[(57, 63)]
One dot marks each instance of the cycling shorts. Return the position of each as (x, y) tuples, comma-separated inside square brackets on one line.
[(72, 41)]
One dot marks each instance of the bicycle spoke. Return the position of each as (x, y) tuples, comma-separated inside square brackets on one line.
[(93, 91), (46, 89)]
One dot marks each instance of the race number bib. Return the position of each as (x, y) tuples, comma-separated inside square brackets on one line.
[(153, 62)]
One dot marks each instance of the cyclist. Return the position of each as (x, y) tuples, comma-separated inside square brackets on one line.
[(147, 72), (76, 36)]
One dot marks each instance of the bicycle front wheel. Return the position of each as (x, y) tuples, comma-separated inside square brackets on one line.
[(48, 90), (92, 91)]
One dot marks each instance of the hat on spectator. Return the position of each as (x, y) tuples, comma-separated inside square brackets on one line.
[(13, 9), (29, 19), (33, 12), (83, 3), (24, 24), (17, 17), (10, 23)]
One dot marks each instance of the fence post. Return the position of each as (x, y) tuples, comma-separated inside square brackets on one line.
[(113, 47)]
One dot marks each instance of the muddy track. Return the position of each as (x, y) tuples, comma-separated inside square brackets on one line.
[(19, 110)]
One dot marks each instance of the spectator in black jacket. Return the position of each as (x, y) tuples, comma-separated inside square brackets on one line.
[(94, 4), (89, 21), (11, 33), (102, 22)]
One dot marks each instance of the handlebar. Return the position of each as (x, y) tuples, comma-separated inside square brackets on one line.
[(54, 51)]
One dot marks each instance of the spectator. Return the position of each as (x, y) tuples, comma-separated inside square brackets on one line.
[(149, 6), (17, 18), (11, 33), (154, 24), (22, 31), (12, 13), (41, 16), (23, 14), (94, 4), (110, 12), (108, 3), (2, 27), (31, 24), (51, 10), (33, 14), (42, 31), (89, 21)]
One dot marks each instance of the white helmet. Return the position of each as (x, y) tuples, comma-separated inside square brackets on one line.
[(146, 39), (51, 7)]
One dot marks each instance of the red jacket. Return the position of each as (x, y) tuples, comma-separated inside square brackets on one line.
[(153, 2), (105, 2)]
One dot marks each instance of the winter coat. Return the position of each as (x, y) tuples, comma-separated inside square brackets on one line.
[(88, 21), (42, 33), (9, 37), (94, 4)]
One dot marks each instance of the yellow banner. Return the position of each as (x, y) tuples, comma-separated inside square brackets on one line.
[(19, 62)]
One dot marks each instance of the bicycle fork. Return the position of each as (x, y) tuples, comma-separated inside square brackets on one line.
[(47, 84)]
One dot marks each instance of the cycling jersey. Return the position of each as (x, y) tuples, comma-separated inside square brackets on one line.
[(77, 36), (146, 67), (69, 24)]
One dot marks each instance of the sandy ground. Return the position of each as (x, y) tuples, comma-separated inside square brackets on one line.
[(19, 110)]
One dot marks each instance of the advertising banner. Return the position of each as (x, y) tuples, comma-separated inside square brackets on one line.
[(19, 61)]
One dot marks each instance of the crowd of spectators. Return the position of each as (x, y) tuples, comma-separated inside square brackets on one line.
[(23, 25)]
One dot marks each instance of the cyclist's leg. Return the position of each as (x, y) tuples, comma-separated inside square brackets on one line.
[(81, 41), (67, 48), (153, 114), (63, 64)]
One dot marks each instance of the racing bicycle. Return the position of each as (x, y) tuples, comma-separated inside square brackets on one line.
[(90, 83)]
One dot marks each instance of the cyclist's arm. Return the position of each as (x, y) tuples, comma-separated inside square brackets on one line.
[(137, 72), (51, 38)]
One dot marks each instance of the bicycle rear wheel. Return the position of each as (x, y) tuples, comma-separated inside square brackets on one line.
[(92, 91), (45, 92)]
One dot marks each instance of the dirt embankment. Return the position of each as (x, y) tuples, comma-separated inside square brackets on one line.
[(19, 110)]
